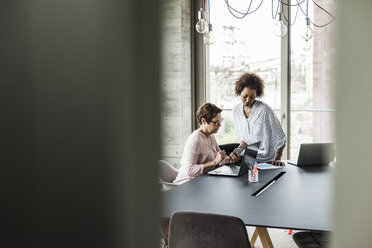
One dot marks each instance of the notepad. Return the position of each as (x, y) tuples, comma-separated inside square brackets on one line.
[(265, 166)]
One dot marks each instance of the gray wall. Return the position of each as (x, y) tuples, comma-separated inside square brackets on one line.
[(352, 210), (79, 95), (176, 98)]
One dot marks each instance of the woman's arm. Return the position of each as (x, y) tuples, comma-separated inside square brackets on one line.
[(212, 164), (279, 153), (209, 166), (280, 138), (278, 156)]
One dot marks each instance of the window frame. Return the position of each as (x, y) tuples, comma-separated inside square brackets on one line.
[(201, 72)]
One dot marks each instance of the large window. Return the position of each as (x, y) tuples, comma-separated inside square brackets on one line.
[(248, 44), (312, 86), (242, 45)]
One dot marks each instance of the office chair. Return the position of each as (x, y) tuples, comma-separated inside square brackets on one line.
[(167, 173), (193, 229), (229, 147), (311, 239)]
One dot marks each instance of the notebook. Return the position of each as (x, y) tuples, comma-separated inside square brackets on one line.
[(240, 168), (266, 166), (315, 154)]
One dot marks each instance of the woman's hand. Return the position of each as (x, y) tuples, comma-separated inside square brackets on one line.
[(234, 157), (242, 145), (278, 156), (278, 162), (221, 155)]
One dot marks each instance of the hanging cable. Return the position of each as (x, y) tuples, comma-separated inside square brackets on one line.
[(239, 17), (226, 1), (294, 19), (272, 9), (304, 10), (323, 9), (299, 5), (322, 26), (316, 25), (292, 5), (208, 37), (307, 8), (209, 11)]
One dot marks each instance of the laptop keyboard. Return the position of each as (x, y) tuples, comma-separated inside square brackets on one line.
[(226, 170)]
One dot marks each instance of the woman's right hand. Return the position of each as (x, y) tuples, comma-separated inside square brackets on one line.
[(234, 157), (221, 155), (242, 145)]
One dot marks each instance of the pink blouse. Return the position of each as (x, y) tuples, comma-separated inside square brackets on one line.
[(199, 149)]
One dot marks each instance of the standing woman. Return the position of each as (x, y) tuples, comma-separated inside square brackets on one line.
[(255, 121), (201, 152)]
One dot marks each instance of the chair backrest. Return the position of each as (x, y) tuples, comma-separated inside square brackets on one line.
[(229, 147), (311, 239), (167, 172), (193, 229)]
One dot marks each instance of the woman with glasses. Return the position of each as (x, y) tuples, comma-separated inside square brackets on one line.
[(201, 152), (255, 121)]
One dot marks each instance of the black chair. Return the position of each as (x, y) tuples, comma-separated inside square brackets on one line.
[(194, 229), (229, 147), (311, 239)]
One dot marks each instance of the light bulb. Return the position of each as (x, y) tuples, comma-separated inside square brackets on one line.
[(280, 29), (209, 36), (308, 32), (201, 26), (307, 45)]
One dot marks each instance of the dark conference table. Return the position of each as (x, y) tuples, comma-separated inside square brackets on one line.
[(300, 197)]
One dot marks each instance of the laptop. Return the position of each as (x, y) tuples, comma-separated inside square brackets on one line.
[(237, 169), (315, 154)]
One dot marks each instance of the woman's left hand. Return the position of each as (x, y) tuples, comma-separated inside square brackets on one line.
[(278, 163), (234, 157)]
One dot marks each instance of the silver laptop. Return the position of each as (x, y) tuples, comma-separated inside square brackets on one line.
[(315, 154), (240, 168)]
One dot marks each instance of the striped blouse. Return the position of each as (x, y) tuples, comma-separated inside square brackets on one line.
[(261, 125)]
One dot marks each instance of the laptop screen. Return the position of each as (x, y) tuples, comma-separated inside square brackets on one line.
[(251, 154), (315, 154)]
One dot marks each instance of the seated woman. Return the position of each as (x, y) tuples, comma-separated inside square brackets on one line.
[(255, 121), (201, 152)]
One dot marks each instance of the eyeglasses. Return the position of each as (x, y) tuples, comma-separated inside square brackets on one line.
[(217, 123)]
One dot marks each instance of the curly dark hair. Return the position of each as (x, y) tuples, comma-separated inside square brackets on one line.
[(207, 111), (250, 80)]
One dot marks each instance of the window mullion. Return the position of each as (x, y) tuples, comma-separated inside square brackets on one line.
[(286, 80)]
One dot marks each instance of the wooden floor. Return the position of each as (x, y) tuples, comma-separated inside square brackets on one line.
[(279, 238)]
